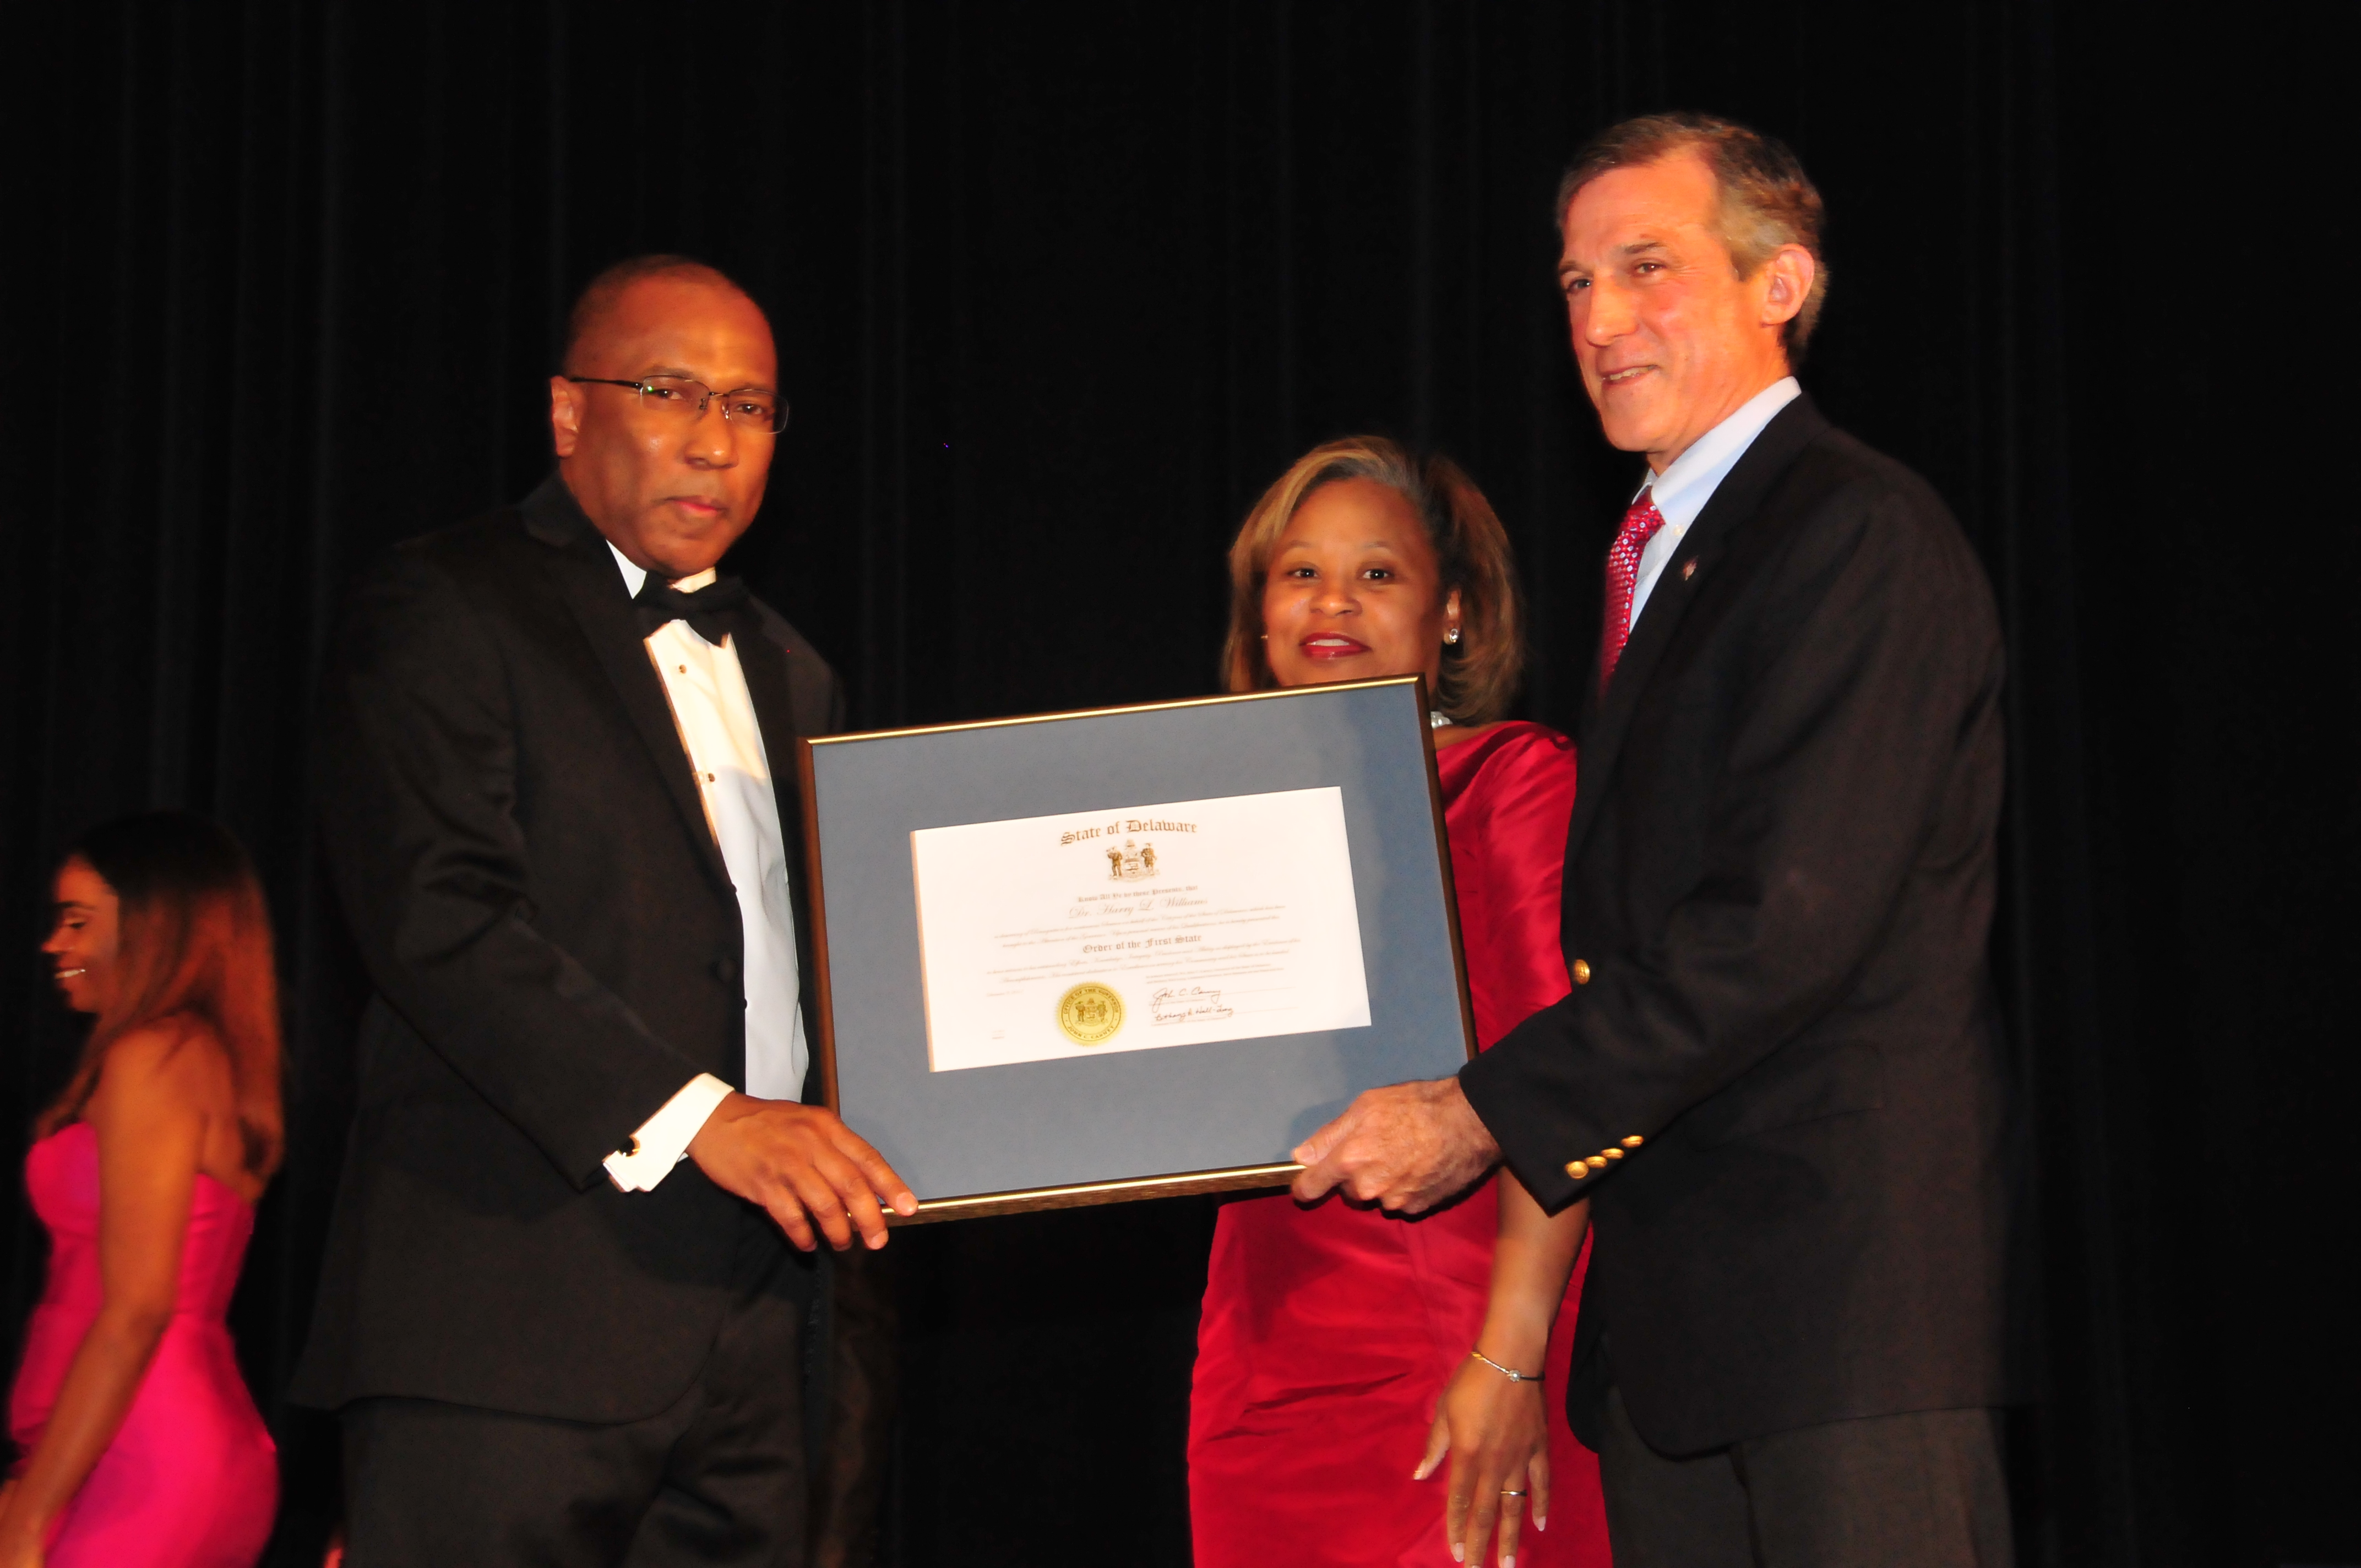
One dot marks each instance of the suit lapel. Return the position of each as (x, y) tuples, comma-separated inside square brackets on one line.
[(593, 589), (764, 661), (1607, 718)]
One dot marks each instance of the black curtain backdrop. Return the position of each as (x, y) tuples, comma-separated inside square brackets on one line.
[(1058, 291)]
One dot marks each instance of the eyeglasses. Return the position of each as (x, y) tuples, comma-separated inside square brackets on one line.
[(679, 398)]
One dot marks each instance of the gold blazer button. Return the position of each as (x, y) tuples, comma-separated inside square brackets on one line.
[(1577, 1169), (1634, 1141), (1581, 972)]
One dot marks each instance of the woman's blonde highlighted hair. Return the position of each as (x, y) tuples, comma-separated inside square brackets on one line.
[(1480, 672)]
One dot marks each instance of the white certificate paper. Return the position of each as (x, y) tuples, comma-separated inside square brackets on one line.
[(1139, 927)]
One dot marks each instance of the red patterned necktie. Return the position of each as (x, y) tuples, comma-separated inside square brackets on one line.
[(1640, 525)]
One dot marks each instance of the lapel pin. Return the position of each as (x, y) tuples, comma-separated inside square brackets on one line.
[(1688, 569)]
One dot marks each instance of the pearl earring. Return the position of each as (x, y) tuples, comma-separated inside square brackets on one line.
[(1451, 635)]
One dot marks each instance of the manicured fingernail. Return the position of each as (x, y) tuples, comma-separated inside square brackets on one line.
[(1458, 1552), (1507, 1563), (1540, 1523)]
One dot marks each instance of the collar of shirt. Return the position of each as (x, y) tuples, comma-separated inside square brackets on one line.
[(635, 578), (1681, 491)]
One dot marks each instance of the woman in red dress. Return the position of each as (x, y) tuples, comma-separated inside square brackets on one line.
[(142, 1448), (1330, 1332)]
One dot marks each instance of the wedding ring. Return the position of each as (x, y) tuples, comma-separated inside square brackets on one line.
[(1507, 1494)]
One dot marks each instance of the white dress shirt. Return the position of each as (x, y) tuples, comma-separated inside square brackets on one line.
[(715, 715), (1681, 491)]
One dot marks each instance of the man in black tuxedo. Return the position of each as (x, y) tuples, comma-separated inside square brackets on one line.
[(1776, 1078), (558, 1315)]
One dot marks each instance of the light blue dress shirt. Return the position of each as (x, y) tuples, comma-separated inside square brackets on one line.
[(1681, 491)]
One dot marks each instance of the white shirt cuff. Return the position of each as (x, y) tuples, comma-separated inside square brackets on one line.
[(661, 1141)]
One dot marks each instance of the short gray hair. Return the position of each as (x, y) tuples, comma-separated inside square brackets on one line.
[(1767, 200)]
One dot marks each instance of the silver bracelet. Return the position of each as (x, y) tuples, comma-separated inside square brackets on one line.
[(1508, 1373)]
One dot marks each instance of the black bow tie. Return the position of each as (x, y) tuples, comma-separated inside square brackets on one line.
[(713, 611)]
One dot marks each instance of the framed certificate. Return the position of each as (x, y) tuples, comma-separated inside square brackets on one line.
[(1130, 952)]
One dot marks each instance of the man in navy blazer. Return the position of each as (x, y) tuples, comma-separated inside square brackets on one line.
[(1777, 1077)]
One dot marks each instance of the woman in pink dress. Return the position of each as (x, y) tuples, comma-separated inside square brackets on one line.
[(141, 1447), (1330, 1332)]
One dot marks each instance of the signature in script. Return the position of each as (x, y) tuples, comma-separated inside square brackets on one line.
[(1185, 1004)]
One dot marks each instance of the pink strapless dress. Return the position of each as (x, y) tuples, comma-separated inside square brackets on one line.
[(191, 1478)]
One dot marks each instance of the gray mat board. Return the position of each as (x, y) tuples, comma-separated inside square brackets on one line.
[(1037, 1125)]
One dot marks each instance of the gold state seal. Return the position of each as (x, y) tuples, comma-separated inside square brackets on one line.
[(1090, 1013)]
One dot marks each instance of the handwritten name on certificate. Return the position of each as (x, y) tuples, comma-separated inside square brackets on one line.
[(1137, 928)]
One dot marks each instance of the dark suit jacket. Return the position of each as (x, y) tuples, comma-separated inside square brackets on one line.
[(1779, 881), (525, 863)]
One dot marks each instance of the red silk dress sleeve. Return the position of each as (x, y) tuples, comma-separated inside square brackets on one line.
[(1507, 815)]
